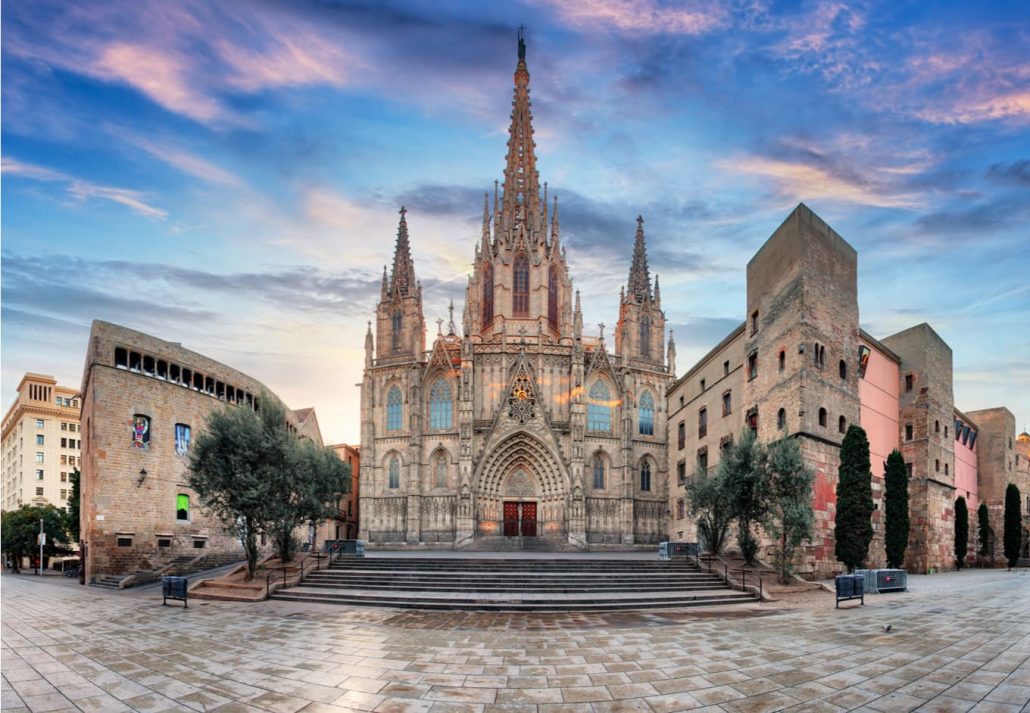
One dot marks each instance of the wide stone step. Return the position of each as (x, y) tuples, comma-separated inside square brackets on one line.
[(522, 602), (555, 588)]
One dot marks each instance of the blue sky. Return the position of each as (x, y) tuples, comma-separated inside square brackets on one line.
[(227, 175)]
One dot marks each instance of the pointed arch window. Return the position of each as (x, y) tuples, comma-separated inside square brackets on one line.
[(393, 409), (440, 469), (598, 471), (552, 297), (645, 476), (395, 332), (645, 336), (488, 294), (646, 406), (394, 469), (520, 286), (440, 404), (599, 408)]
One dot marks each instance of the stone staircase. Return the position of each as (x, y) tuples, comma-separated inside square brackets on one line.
[(514, 584), (109, 581)]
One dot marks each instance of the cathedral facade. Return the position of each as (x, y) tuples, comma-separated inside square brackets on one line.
[(521, 430)]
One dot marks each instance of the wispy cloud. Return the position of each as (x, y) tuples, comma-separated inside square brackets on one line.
[(82, 190), (165, 150), (647, 16)]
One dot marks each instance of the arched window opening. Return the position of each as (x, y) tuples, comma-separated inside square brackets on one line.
[(520, 286), (843, 369), (393, 409), (182, 508), (488, 294), (440, 404), (395, 334), (645, 476), (646, 406), (552, 297), (645, 336), (599, 408), (441, 470), (842, 425), (598, 471), (781, 419), (395, 472), (783, 360), (822, 417)]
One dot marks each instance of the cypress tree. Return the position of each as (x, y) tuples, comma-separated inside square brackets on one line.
[(896, 509), (983, 524), (961, 531), (853, 527), (1013, 526)]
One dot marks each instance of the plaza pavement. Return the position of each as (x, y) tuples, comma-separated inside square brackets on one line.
[(959, 642)]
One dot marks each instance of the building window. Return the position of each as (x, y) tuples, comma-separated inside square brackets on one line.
[(702, 423), (64, 425), (702, 386), (182, 439), (39, 492), (945, 468), (121, 358), (822, 417), (598, 471), (645, 337), (908, 431), (681, 509), (937, 466), (936, 426), (395, 330), (702, 461), (781, 419), (440, 404), (164, 542), (64, 477), (39, 456), (393, 409), (972, 439), (725, 368), (752, 365), (182, 508), (64, 494), (842, 425), (199, 544), (819, 355), (908, 469), (488, 294), (725, 443), (646, 406), (645, 476), (843, 367), (681, 472), (681, 435), (751, 419), (520, 286), (599, 410), (39, 423), (908, 382), (552, 297), (441, 471), (783, 360), (727, 403), (395, 473), (125, 542), (141, 431), (39, 474), (754, 321), (39, 439)]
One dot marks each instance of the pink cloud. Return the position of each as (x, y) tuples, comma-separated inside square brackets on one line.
[(645, 16)]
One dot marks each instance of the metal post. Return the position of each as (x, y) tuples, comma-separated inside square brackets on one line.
[(42, 539)]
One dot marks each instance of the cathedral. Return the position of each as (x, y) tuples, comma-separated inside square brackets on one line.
[(520, 431)]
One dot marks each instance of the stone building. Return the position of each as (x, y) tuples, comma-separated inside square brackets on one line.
[(40, 446), (143, 402), (801, 365), (344, 526), (519, 429)]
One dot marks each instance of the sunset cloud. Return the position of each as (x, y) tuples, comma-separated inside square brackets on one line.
[(648, 16)]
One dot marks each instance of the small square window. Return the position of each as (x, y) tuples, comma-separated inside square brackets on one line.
[(164, 542), (125, 542), (199, 544), (39, 423)]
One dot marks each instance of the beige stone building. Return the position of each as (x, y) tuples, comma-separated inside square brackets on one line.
[(143, 402), (41, 444), (519, 429), (344, 526)]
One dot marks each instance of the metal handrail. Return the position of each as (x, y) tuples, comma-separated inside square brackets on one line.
[(301, 570), (709, 558)]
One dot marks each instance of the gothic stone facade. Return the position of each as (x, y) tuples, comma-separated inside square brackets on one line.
[(520, 429)]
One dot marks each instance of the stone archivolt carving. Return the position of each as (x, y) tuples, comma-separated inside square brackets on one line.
[(521, 401)]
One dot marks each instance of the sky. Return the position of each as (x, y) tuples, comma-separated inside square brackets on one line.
[(228, 174)]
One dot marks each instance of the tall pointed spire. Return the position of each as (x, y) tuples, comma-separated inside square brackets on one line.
[(521, 201), (577, 319), (402, 280), (486, 224), (639, 275)]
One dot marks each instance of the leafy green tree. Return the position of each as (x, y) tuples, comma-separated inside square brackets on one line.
[(961, 531), (983, 525), (710, 507), (1013, 535), (789, 492), (895, 504), (308, 492), (853, 527), (74, 501), (232, 464), (20, 528), (742, 469)]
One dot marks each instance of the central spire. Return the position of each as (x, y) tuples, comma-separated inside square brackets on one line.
[(521, 203), (403, 278), (639, 275)]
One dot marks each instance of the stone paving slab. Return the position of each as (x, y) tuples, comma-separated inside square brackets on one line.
[(960, 642)]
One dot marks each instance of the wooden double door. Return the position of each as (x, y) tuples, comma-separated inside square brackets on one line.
[(519, 518)]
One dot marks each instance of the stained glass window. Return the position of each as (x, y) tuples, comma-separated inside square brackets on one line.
[(182, 439), (488, 294), (599, 409), (645, 337), (646, 414), (395, 472), (598, 471), (393, 409), (398, 323), (552, 297), (520, 286), (645, 476), (520, 400), (440, 405)]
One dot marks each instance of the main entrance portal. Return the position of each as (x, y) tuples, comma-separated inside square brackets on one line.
[(519, 518)]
